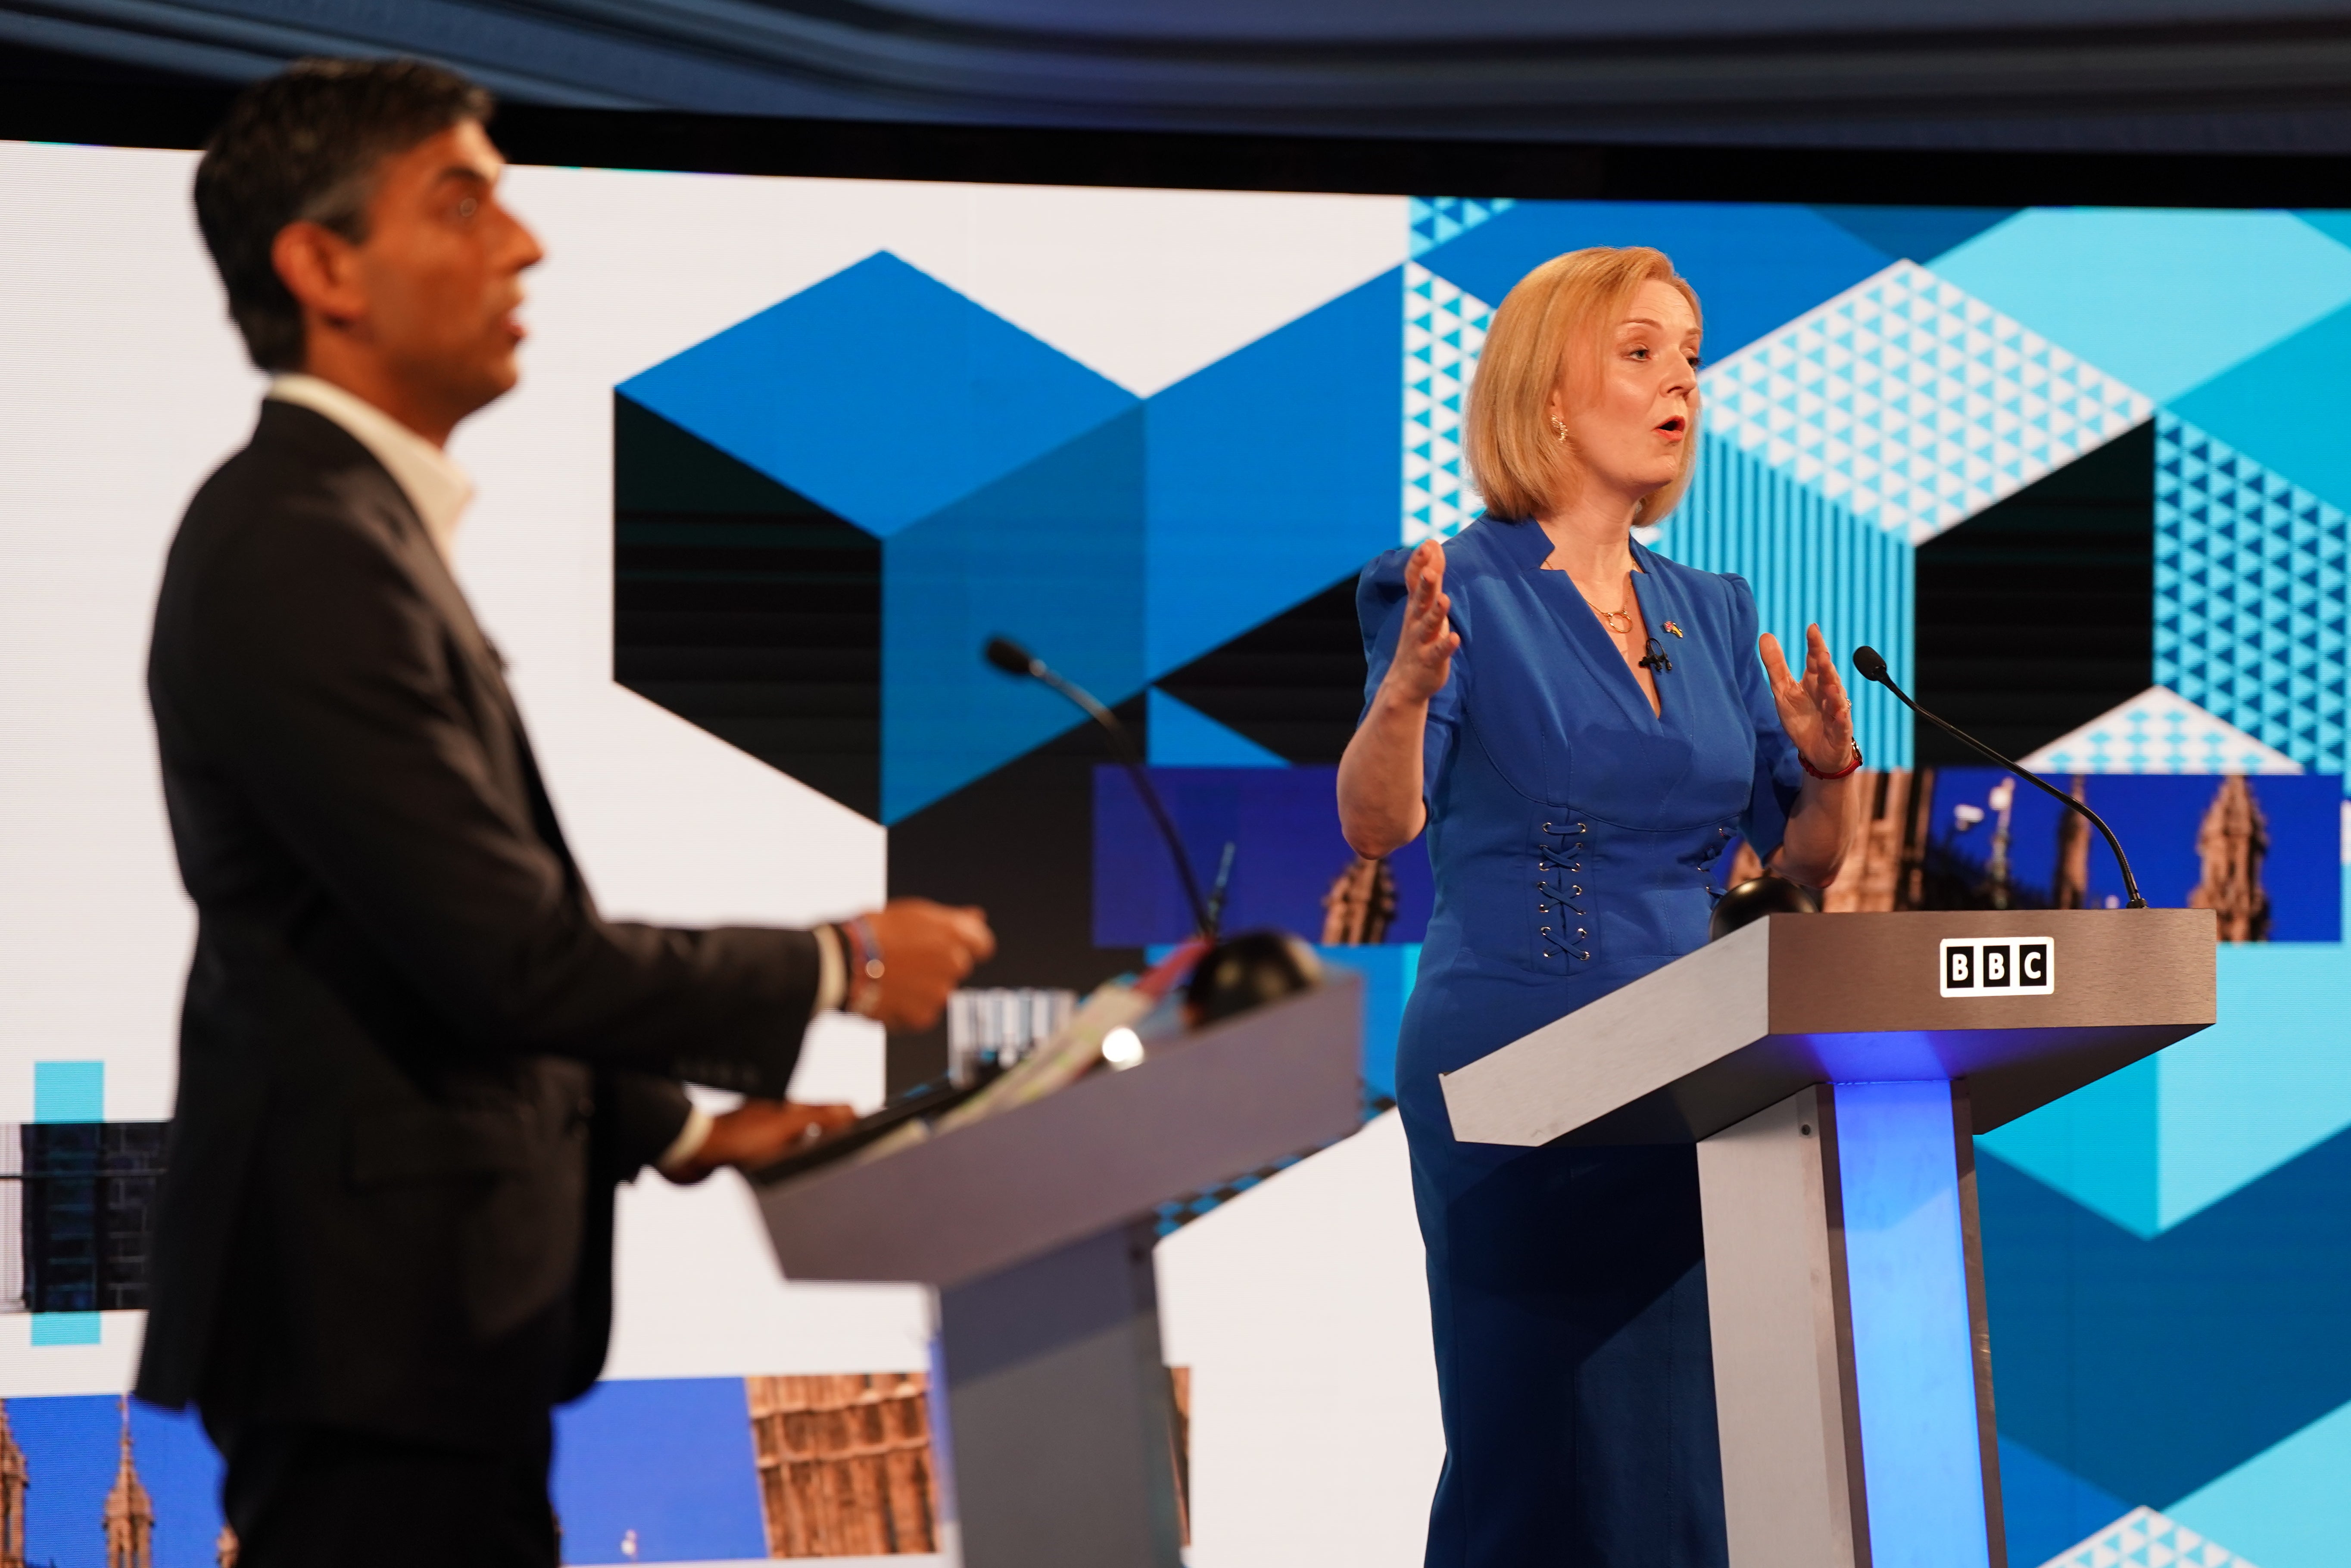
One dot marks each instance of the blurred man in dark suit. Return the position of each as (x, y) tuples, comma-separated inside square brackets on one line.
[(415, 1059)]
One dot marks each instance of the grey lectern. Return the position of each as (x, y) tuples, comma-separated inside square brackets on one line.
[(1035, 1225), (1832, 1069)]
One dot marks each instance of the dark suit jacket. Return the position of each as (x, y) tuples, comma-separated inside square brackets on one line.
[(413, 1058)]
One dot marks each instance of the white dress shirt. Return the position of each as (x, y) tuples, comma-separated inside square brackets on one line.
[(441, 491)]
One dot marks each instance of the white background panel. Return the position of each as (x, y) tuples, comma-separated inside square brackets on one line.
[(1301, 1309), (121, 384), (1144, 287), (28, 1369)]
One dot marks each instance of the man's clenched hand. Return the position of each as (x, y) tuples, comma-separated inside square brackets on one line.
[(927, 949)]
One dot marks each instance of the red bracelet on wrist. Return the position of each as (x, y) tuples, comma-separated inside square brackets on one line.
[(1840, 773)]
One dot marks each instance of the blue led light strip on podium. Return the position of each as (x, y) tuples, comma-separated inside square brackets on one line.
[(1906, 1279)]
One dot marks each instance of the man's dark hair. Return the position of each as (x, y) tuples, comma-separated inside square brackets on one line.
[(305, 146)]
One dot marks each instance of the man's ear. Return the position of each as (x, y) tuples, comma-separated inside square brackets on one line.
[(317, 267)]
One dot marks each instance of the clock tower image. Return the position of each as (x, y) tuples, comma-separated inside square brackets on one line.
[(130, 1516), (12, 1496)]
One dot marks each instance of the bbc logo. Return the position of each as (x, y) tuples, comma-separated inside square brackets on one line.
[(2014, 966)]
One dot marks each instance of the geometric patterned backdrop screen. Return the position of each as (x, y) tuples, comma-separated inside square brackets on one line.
[(2080, 474)]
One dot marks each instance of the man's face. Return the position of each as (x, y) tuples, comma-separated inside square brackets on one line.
[(440, 274)]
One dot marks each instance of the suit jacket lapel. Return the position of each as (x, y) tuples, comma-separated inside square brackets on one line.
[(430, 571), (426, 566)]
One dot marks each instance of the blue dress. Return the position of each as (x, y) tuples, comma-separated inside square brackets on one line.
[(1575, 835)]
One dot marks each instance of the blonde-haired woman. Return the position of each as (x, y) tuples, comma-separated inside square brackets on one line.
[(1582, 725)]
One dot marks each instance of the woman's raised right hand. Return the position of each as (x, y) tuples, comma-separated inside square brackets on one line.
[(1424, 655)]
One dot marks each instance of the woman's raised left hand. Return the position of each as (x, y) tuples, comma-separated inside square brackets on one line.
[(1815, 711)]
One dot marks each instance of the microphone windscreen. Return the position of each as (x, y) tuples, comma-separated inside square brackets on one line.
[(1870, 664), (1008, 655)]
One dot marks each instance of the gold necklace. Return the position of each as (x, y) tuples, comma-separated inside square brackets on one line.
[(1618, 620)]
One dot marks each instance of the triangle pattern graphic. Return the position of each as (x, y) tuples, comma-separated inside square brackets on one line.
[(2159, 731), (1444, 330), (2250, 596), (1180, 735), (1436, 219), (1913, 404), (1806, 560), (2146, 1539)]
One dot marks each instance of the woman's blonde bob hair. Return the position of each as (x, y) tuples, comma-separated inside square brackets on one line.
[(1550, 332)]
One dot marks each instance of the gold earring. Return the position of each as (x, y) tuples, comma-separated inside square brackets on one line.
[(1559, 431)]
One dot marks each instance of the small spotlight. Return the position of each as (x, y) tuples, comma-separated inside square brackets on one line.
[(1121, 1048)]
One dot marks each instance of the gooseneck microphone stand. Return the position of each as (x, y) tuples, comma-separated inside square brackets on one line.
[(1870, 666), (1014, 659)]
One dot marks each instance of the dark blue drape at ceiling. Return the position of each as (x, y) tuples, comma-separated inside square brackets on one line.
[(2081, 75)]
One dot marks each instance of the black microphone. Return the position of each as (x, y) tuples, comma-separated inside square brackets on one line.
[(1871, 665), (1014, 659)]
